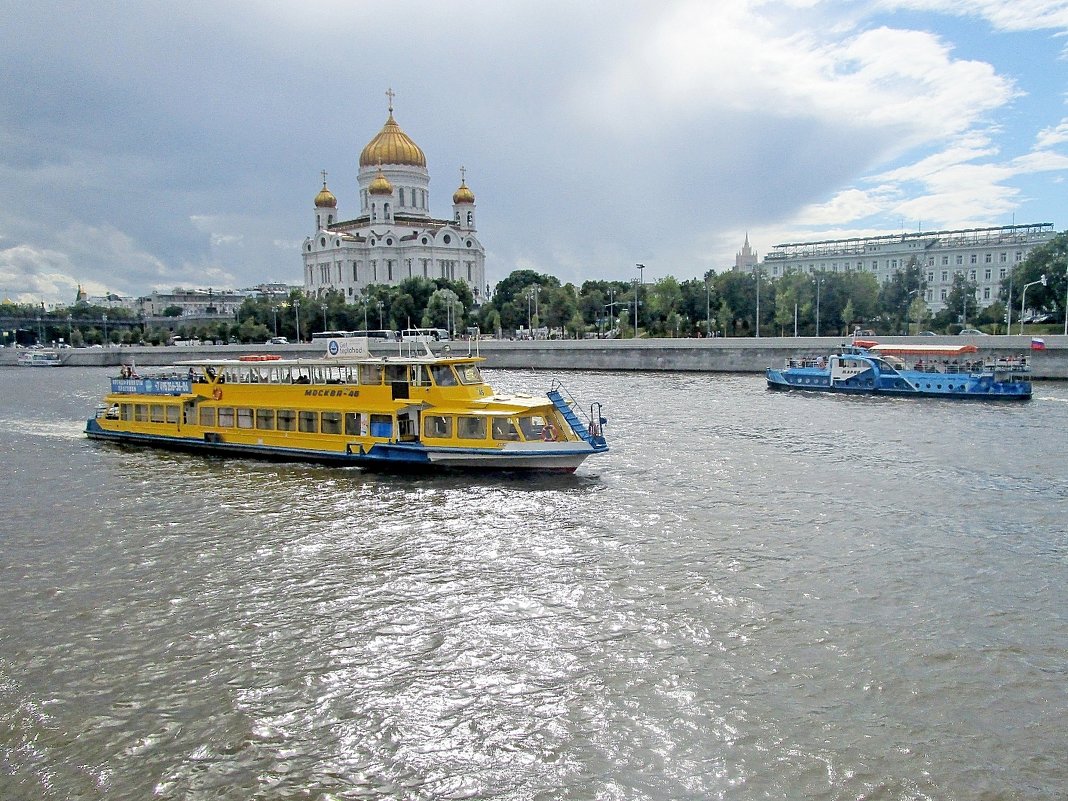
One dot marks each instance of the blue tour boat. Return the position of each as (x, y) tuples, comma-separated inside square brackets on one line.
[(933, 371)]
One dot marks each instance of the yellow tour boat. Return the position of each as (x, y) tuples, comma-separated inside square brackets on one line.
[(412, 410)]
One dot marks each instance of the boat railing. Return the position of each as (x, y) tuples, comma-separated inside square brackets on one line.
[(1008, 364), (818, 362), (594, 420)]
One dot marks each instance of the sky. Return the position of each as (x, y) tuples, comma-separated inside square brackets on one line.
[(179, 144)]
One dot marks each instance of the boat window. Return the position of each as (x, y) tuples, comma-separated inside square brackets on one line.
[(265, 419), (172, 414), (308, 422), (396, 373), (244, 418), (531, 426), (352, 425), (469, 374), (140, 412), (156, 413), (287, 420), (190, 414), (471, 427), (371, 374), (226, 417), (301, 375), (207, 416), (437, 426), (381, 425), (126, 412), (420, 376), (331, 422), (504, 428), (443, 375)]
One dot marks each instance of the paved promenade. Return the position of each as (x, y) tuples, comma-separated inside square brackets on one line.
[(721, 355)]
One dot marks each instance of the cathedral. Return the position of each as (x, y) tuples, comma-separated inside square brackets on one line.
[(394, 236)]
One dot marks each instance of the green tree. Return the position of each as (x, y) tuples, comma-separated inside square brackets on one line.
[(663, 301), (1049, 259), (961, 302), (896, 295)]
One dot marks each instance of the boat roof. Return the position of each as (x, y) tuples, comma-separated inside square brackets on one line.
[(923, 350), (266, 360)]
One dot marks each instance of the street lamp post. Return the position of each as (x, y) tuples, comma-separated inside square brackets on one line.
[(296, 311), (274, 311), (819, 281), (758, 304), (70, 330), (1023, 294), (105, 318), (708, 311), (908, 309), (1008, 305), (381, 305), (641, 280)]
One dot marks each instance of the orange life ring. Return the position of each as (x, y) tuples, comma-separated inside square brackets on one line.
[(548, 432), (216, 393)]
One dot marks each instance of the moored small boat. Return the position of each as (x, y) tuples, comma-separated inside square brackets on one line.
[(411, 410), (936, 371), (40, 358)]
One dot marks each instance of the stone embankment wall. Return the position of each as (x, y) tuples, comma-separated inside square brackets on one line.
[(722, 355)]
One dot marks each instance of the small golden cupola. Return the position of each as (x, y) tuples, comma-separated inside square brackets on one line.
[(325, 199), (463, 194), (380, 184)]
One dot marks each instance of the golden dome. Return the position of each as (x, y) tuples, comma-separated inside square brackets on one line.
[(325, 199), (380, 184), (463, 194), (392, 146)]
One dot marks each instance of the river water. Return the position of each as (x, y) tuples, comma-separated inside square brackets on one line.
[(754, 595)]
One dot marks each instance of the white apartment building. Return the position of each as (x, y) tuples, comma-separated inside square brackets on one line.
[(983, 255)]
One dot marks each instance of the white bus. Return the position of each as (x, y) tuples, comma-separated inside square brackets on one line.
[(425, 334), (381, 335)]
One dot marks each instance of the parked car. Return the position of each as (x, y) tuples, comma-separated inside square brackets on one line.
[(277, 341), (972, 332), (927, 334)]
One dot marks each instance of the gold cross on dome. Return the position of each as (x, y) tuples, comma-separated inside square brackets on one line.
[(390, 95), (324, 178)]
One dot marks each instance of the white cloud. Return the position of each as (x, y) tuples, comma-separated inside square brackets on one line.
[(1052, 136), (1017, 15)]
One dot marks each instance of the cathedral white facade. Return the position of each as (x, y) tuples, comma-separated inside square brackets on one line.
[(394, 236)]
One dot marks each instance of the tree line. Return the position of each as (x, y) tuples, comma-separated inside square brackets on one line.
[(730, 304)]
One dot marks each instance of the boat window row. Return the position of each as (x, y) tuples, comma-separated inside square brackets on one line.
[(418, 375), (351, 424)]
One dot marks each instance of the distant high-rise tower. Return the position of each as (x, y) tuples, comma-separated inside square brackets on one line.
[(746, 260)]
